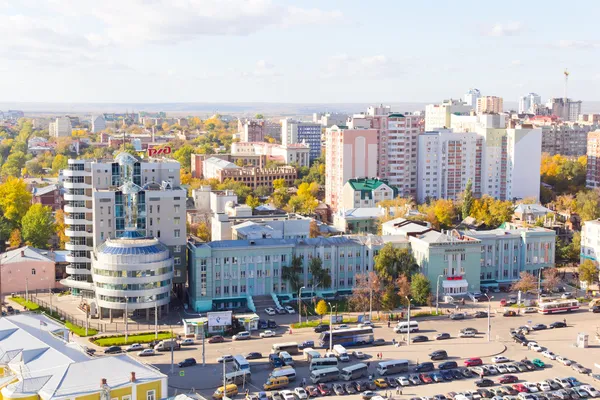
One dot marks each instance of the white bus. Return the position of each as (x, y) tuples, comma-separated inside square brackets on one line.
[(402, 327), (320, 363), (238, 377), (291, 348), (557, 306), (392, 367), (324, 375), (354, 371), (240, 363), (284, 371)]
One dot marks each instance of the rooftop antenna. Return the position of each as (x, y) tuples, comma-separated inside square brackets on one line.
[(566, 73)]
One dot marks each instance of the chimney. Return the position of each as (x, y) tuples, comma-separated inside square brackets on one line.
[(132, 377), (103, 382), (22, 253)]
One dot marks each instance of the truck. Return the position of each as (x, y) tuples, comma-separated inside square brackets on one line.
[(341, 353), (166, 345)]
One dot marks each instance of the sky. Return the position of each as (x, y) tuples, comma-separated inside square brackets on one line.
[(327, 51)]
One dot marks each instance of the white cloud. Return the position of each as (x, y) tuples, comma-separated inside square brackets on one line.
[(262, 69), (508, 29), (577, 44), (516, 63), (344, 65)]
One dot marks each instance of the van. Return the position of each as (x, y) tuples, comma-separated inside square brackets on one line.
[(275, 361), (230, 391), (287, 359), (166, 345), (286, 371), (341, 353), (245, 335), (276, 382), (238, 377)]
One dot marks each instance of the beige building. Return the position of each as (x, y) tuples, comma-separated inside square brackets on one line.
[(437, 116), (366, 192), (222, 170), (490, 105), (297, 153), (60, 127)]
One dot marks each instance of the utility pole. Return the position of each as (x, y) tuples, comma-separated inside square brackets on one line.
[(489, 316), (203, 346), (437, 294), (173, 341), (26, 288), (126, 318), (155, 320), (330, 326), (371, 305), (224, 394), (300, 306), (408, 341)]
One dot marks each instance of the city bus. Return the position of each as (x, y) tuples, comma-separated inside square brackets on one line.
[(354, 372), (392, 367), (324, 375), (240, 363), (320, 363), (552, 306), (348, 337), (291, 348)]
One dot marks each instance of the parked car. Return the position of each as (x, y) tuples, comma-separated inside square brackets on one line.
[(438, 355), (403, 381), (499, 359), (529, 310), (538, 363), (581, 369), (425, 378), (447, 374), (301, 393), (226, 358), (419, 339), (267, 334), (442, 336), (471, 362), (306, 344), (245, 335), (366, 324), (270, 311), (564, 360), (216, 339), (557, 324), (381, 383), (321, 328), (448, 365), (188, 362), (480, 314), (342, 326), (509, 313), (548, 354), (312, 391), (379, 342), (271, 324), (349, 388), (253, 355), (324, 389), (338, 389), (484, 382), (424, 367), (467, 334), (134, 347), (146, 353), (280, 310), (508, 379), (290, 310), (358, 355), (457, 316), (470, 330), (188, 342), (519, 387), (113, 350)]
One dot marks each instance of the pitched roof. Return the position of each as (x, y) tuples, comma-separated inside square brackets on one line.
[(44, 190), (365, 183), (29, 254)]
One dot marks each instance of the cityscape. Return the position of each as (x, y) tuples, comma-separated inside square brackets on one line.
[(265, 239)]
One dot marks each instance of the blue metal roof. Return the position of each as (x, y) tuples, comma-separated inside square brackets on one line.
[(131, 234), (132, 248)]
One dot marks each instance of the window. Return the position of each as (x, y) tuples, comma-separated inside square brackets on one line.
[(445, 257), (177, 260), (158, 233), (283, 258), (217, 275), (177, 273), (176, 220), (177, 233), (177, 249), (32, 271), (267, 258), (463, 257), (128, 397), (151, 395), (176, 208), (158, 208)]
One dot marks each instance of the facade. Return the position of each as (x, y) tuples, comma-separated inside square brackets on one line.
[(437, 116), (98, 123), (253, 131), (197, 161), (327, 120), (490, 105), (590, 245), (471, 97), (103, 198), (366, 192), (294, 228), (566, 109), (32, 269), (61, 127), (564, 138), (530, 103), (298, 154), (57, 369), (593, 160), (253, 177), (293, 132), (51, 196), (350, 153), (358, 220)]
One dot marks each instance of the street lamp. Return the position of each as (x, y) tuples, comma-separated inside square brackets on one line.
[(437, 294), (408, 341), (489, 316), (300, 306), (330, 326), (540, 284)]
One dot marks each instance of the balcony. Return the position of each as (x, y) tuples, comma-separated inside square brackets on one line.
[(68, 172), (77, 271), (69, 197), (72, 233), (72, 209), (84, 247), (77, 259), (71, 221), (77, 284)]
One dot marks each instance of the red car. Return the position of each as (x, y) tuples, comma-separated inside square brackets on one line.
[(324, 389), (520, 388), (508, 379), (216, 339), (312, 391), (425, 378), (472, 362)]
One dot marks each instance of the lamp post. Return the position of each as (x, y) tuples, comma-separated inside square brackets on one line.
[(540, 284), (408, 328), (300, 306), (330, 326), (489, 320), (370, 304), (437, 294)]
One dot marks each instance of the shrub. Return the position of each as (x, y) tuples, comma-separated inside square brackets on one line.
[(119, 340)]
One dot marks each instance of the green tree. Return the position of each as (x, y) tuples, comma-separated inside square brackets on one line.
[(184, 156), (588, 204), (33, 167), (252, 202), (240, 189), (527, 282), (391, 262), (60, 162), (13, 164), (292, 273), (38, 226), (467, 201), (321, 308), (262, 191), (15, 199), (259, 116), (390, 298), (588, 272), (420, 288), (320, 277), (203, 232)]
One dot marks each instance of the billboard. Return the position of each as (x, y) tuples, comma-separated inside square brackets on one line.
[(159, 151), (221, 318)]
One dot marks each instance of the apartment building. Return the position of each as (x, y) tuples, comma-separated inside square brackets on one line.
[(366, 192), (98, 123), (253, 131), (60, 127), (471, 97), (215, 168), (566, 109), (530, 103), (490, 105), (108, 199), (350, 153), (437, 116), (327, 120), (293, 132), (593, 160), (590, 241), (298, 154), (564, 138)]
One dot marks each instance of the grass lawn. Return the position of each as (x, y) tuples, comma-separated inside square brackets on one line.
[(137, 338), (31, 306), (80, 331)]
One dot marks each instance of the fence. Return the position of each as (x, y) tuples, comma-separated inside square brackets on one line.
[(103, 327)]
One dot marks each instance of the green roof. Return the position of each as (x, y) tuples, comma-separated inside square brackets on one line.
[(367, 185), (396, 116)]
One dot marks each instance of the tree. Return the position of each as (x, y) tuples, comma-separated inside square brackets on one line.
[(320, 277), (366, 287), (60, 162), (165, 126), (440, 213), (588, 272), (314, 230), (527, 282), (467, 201), (551, 279), (15, 239), (33, 167), (492, 212), (13, 164), (60, 226), (203, 232), (403, 287), (38, 226), (262, 191), (292, 273), (390, 298), (184, 156), (259, 116), (588, 204), (252, 202), (321, 308), (15, 199), (391, 262), (420, 288)]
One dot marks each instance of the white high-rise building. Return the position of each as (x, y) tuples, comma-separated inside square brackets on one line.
[(119, 199), (529, 103), (438, 116), (471, 97), (98, 123), (61, 127), (293, 132)]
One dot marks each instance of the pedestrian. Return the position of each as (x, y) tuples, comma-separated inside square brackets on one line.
[(398, 390), (394, 341), (565, 321), (303, 382), (389, 324), (368, 364)]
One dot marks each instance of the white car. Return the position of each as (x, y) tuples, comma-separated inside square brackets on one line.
[(549, 354), (270, 311), (532, 387), (466, 334), (562, 382), (536, 347), (301, 393), (134, 347), (530, 310), (227, 358), (403, 381), (511, 369), (289, 310), (591, 390), (544, 386), (499, 359), (564, 360), (188, 342), (502, 369), (146, 353), (342, 326), (366, 324), (287, 395), (358, 355), (267, 333)]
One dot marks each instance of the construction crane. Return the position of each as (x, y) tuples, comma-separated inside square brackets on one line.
[(566, 73)]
